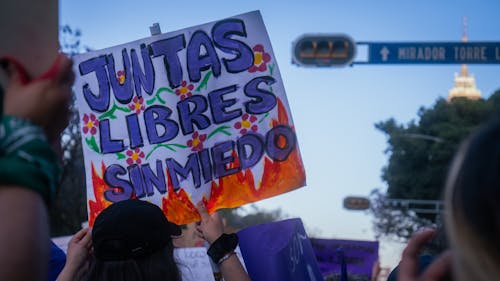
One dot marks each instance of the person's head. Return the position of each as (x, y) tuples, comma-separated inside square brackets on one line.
[(132, 241), (472, 201)]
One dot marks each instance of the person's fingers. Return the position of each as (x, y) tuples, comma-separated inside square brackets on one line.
[(216, 216), (409, 264), (217, 219), (439, 269), (202, 210), (87, 239), (79, 235), (198, 231)]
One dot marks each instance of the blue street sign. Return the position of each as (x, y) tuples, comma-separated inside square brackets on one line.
[(433, 53)]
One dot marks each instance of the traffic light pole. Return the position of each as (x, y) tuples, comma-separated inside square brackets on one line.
[(418, 206), (334, 50)]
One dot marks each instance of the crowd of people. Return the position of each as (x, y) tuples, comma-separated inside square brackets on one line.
[(133, 240), (130, 240)]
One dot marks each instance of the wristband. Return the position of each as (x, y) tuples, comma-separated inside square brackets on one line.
[(225, 257), (221, 247), (27, 158)]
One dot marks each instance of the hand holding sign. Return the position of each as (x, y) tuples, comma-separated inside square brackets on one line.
[(78, 254), (211, 225)]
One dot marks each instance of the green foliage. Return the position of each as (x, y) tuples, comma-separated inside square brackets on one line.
[(420, 153), (395, 223), (70, 41)]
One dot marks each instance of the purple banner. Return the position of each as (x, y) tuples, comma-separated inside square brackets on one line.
[(360, 256), (279, 251)]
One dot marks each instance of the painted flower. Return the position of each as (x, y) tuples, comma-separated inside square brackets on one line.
[(247, 123), (120, 77), (196, 143), (137, 104), (134, 156), (184, 90), (260, 59), (90, 123)]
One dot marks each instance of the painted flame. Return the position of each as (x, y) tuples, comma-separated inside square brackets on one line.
[(178, 206), (239, 188), (99, 185)]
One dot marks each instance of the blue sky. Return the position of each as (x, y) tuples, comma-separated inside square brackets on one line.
[(334, 109)]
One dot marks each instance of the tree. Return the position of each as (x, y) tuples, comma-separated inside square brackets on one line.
[(69, 208), (419, 157), (395, 222)]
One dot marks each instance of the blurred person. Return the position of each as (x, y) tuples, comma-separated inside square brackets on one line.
[(57, 261), (432, 249), (33, 115), (438, 270), (472, 215), (133, 240), (472, 198)]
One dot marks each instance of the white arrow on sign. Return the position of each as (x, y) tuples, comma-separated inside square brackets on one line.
[(384, 53)]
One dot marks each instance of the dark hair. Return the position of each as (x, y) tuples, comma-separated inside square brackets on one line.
[(130, 229), (159, 266), (472, 203), (475, 191), (132, 242)]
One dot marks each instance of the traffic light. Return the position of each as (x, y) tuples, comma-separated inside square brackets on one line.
[(324, 50), (356, 203)]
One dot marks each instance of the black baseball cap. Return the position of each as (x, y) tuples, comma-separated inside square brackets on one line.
[(131, 229)]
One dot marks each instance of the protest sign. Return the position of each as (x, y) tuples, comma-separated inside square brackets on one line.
[(196, 114), (360, 257), (279, 251)]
